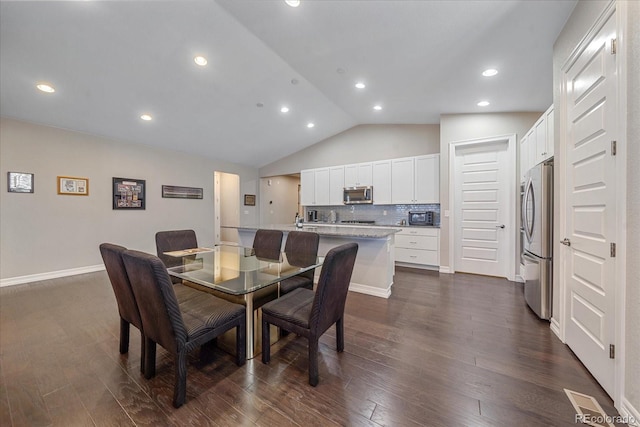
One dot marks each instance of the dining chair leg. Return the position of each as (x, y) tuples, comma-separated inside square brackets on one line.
[(340, 335), (206, 350), (124, 336), (150, 358), (142, 352), (266, 345), (241, 345), (313, 361), (180, 388)]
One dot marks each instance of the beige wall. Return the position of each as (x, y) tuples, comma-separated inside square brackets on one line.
[(44, 232), (362, 143), (582, 19), (278, 199), (463, 127)]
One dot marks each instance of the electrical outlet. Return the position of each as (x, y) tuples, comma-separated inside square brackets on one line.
[(384, 213)]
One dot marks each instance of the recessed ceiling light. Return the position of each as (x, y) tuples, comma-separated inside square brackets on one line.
[(483, 103), (310, 125), (360, 85), (44, 87), (490, 72), (284, 110), (292, 3), (377, 107), (200, 60), (146, 117)]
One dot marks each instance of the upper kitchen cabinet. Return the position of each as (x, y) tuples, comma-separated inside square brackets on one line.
[(415, 180), (336, 185), (308, 187), (537, 144), (382, 182), (360, 174), (314, 185)]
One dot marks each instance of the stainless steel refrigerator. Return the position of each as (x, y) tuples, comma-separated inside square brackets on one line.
[(537, 221)]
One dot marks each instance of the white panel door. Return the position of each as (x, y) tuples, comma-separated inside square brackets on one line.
[(590, 200), (481, 234)]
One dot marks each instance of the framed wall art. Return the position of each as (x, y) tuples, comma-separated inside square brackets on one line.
[(72, 186), (19, 182), (175, 192), (128, 193), (249, 199)]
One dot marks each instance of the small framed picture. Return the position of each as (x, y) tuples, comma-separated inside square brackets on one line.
[(249, 199), (19, 182), (129, 193), (72, 186)]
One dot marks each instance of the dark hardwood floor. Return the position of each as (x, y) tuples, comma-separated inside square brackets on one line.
[(444, 350)]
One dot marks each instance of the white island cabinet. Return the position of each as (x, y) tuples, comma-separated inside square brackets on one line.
[(418, 247), (375, 263)]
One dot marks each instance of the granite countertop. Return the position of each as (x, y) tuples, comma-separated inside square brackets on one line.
[(332, 230), (377, 224)]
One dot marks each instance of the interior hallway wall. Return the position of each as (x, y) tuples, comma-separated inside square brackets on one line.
[(463, 127), (278, 199), (44, 232)]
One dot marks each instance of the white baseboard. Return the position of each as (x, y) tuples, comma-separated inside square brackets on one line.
[(555, 328), (19, 280), (519, 279), (370, 290), (418, 266), (629, 413), (445, 269)]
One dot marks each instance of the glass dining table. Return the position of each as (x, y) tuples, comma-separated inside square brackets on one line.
[(236, 274)]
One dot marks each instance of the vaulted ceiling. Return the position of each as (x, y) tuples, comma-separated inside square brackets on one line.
[(112, 61)]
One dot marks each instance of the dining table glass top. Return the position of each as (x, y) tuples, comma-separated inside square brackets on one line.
[(236, 270)]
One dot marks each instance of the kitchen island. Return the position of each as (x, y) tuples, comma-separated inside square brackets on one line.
[(375, 264)]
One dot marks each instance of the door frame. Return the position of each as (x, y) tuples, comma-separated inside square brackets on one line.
[(558, 324), (514, 196)]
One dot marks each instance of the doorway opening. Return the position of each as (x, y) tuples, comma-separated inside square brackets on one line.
[(226, 191)]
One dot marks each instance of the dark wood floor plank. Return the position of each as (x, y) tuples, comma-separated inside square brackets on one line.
[(443, 350)]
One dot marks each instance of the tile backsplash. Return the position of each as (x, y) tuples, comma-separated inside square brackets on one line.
[(381, 214)]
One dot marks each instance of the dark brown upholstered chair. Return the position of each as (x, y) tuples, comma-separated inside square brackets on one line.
[(301, 249), (310, 314), (267, 244), (174, 240), (127, 306), (179, 328)]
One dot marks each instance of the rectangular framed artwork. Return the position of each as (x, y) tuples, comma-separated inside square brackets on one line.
[(19, 182), (73, 186), (128, 193), (175, 192)]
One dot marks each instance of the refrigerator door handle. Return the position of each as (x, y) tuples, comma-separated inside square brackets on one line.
[(528, 231)]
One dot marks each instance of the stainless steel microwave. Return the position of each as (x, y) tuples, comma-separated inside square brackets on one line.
[(357, 195)]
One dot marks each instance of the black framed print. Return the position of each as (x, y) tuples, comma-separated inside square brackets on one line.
[(129, 193)]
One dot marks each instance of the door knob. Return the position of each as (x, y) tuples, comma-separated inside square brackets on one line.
[(566, 242), (500, 226)]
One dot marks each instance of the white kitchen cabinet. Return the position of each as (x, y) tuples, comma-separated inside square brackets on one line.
[(308, 187), (541, 139), (419, 247), (382, 182), (359, 174), (415, 179), (322, 187), (524, 157), (427, 175), (532, 142), (336, 185), (549, 148)]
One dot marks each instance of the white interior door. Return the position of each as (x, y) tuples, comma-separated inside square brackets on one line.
[(591, 87), (482, 201)]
